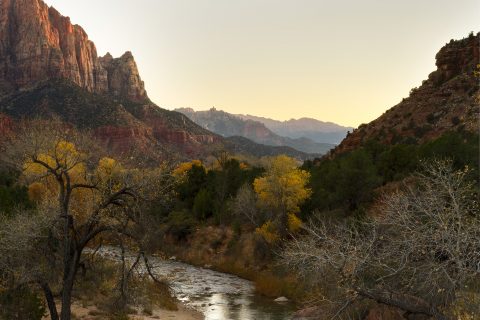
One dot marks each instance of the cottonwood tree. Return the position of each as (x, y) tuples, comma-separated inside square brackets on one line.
[(281, 190), (79, 197), (421, 254)]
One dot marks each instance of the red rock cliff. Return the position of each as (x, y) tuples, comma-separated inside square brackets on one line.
[(37, 43)]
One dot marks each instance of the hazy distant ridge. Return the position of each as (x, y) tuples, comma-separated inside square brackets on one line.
[(316, 130), (229, 125)]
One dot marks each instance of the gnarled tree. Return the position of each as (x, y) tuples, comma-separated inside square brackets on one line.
[(79, 196), (421, 254)]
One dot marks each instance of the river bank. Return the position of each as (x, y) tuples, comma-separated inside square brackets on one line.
[(92, 312), (214, 294), (241, 253)]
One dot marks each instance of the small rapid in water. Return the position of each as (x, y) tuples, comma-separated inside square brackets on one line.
[(217, 295)]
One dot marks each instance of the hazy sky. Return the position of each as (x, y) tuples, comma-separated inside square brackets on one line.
[(337, 60)]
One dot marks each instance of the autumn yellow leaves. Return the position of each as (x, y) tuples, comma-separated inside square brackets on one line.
[(281, 190), (278, 192), (64, 158)]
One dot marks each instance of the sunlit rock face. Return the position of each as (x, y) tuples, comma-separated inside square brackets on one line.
[(37, 43)]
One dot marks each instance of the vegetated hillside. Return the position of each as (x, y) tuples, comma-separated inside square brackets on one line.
[(49, 68), (440, 120), (448, 100), (237, 144), (125, 126), (316, 130), (228, 125)]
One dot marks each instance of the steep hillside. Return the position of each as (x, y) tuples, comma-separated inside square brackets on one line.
[(238, 144), (49, 68), (228, 125), (318, 131), (448, 100), (125, 126)]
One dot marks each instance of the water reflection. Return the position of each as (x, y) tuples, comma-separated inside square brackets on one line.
[(217, 295)]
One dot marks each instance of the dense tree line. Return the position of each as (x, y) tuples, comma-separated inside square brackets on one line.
[(347, 183)]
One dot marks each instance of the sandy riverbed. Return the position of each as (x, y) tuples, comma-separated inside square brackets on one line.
[(91, 313)]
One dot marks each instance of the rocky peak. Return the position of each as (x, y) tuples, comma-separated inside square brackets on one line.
[(37, 43), (123, 76), (448, 100), (455, 58)]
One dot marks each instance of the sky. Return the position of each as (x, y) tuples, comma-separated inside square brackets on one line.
[(336, 60)]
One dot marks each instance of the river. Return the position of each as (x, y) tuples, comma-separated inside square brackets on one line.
[(219, 296)]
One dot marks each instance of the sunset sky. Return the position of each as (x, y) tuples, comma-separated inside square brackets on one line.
[(340, 61)]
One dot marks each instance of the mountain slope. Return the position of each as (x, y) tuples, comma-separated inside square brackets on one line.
[(318, 131), (448, 100), (49, 68), (228, 125)]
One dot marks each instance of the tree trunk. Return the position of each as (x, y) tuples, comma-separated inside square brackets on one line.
[(67, 299), (52, 307), (68, 282), (282, 223), (409, 304)]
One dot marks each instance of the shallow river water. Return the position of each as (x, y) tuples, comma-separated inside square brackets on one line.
[(217, 295)]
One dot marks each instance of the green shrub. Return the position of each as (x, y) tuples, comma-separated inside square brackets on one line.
[(203, 204), (21, 303), (421, 131), (12, 195), (181, 224)]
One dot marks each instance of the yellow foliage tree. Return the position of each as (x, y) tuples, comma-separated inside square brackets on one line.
[(294, 223), (180, 171), (268, 232), (282, 190), (83, 197)]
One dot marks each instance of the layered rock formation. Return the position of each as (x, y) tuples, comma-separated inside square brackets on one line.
[(448, 100), (37, 43)]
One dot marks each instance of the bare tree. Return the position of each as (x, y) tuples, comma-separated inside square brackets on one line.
[(244, 205), (79, 197), (421, 254)]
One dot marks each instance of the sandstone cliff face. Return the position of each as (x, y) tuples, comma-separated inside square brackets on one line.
[(448, 100), (37, 43), (123, 78)]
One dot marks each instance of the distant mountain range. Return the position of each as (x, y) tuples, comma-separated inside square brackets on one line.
[(316, 130), (229, 125)]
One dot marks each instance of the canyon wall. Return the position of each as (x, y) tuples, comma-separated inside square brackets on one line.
[(37, 43)]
